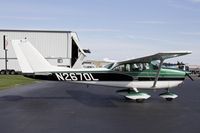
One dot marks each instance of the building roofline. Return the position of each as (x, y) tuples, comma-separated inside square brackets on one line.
[(35, 30)]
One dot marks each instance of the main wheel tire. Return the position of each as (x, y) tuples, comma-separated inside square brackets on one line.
[(139, 100), (169, 99), (12, 72), (2, 72)]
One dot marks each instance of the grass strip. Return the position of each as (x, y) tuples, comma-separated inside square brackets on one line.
[(7, 81)]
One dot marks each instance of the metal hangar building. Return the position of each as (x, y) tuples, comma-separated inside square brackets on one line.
[(60, 48)]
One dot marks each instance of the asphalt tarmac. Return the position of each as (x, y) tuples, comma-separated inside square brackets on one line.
[(55, 107)]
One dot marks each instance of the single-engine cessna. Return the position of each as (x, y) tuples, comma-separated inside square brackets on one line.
[(134, 75)]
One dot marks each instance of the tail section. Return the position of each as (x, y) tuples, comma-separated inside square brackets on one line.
[(30, 60)]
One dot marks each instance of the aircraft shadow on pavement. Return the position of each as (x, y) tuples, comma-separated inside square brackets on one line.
[(83, 97), (17, 98), (92, 99)]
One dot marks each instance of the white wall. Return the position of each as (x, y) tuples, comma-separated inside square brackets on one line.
[(51, 45)]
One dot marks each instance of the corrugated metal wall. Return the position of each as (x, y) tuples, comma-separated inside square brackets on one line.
[(52, 45)]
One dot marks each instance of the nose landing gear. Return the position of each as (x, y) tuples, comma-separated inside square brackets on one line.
[(168, 95)]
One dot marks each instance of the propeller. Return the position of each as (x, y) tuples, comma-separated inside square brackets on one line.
[(189, 76)]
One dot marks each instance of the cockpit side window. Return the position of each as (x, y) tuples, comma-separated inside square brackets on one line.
[(146, 66), (140, 66)]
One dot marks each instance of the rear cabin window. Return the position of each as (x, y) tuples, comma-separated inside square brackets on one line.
[(128, 67), (120, 68)]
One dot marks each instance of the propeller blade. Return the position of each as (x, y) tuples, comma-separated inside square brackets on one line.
[(189, 76)]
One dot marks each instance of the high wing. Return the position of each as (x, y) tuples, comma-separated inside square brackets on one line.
[(158, 56)]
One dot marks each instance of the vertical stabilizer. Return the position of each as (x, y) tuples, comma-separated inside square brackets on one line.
[(23, 63), (30, 60)]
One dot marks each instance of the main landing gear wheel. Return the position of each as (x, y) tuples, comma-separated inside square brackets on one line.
[(168, 96), (134, 94)]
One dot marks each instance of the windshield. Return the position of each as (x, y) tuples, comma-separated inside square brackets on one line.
[(155, 64)]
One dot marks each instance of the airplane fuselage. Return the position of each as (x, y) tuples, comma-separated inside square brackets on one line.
[(168, 78)]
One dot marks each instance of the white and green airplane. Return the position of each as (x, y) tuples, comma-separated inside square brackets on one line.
[(133, 75)]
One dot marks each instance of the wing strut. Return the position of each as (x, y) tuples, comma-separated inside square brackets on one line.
[(158, 72)]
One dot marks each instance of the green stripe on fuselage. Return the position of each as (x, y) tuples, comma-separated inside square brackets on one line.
[(163, 73)]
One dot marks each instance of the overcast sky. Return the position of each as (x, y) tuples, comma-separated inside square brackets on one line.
[(114, 29)]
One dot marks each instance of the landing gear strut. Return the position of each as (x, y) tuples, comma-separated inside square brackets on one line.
[(168, 95), (134, 94)]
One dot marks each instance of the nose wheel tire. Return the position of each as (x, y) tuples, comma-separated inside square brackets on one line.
[(139, 100), (168, 96), (169, 99)]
